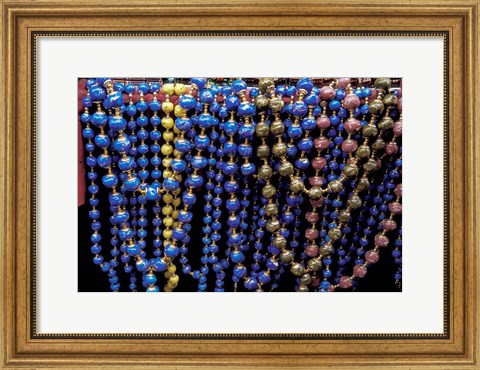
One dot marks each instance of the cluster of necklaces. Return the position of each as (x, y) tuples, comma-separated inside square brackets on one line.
[(293, 184)]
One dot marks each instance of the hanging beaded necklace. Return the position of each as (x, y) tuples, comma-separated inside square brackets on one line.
[(253, 162)]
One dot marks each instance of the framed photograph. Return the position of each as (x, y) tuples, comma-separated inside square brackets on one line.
[(249, 164)]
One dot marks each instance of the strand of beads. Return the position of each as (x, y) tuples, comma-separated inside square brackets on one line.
[(205, 121), (218, 266), (380, 241), (93, 189)]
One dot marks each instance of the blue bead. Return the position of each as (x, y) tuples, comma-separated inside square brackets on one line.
[(97, 93), (239, 85), (246, 109), (201, 142), (340, 94), (367, 92), (232, 102), (141, 264), (253, 93), (205, 120), (183, 145), (240, 271), (199, 81), (187, 102), (334, 105), (299, 109), (305, 84), (251, 283), (171, 250), (206, 96), (295, 131)]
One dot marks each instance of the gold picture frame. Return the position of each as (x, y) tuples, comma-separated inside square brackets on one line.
[(23, 22)]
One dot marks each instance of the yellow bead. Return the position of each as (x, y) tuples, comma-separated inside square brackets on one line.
[(167, 289), (167, 210), (168, 89), (178, 177), (176, 130), (176, 192), (167, 173), (168, 135), (176, 223), (175, 214), (176, 153), (167, 234), (166, 162), (180, 89), (176, 202), (167, 106), (167, 274), (168, 123), (174, 279), (166, 242), (168, 221), (178, 111), (172, 268), (166, 149), (171, 286), (167, 198)]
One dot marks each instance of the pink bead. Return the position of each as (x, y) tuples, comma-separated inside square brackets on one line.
[(398, 190), (345, 282), (349, 146), (311, 234), (318, 163), (317, 203), (395, 208), (315, 282), (315, 181), (389, 225), (350, 160), (312, 217), (352, 125), (327, 93), (397, 129), (323, 122), (378, 162), (311, 250), (330, 288), (372, 257), (391, 148), (381, 240), (351, 101), (359, 271), (399, 104), (343, 82), (400, 91), (373, 95), (321, 143)]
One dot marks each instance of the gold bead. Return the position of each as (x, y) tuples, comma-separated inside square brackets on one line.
[(167, 173), (178, 111), (166, 162), (168, 221), (168, 89), (166, 149), (172, 268), (168, 135), (167, 198), (180, 89), (167, 210), (167, 234), (168, 123), (177, 202)]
